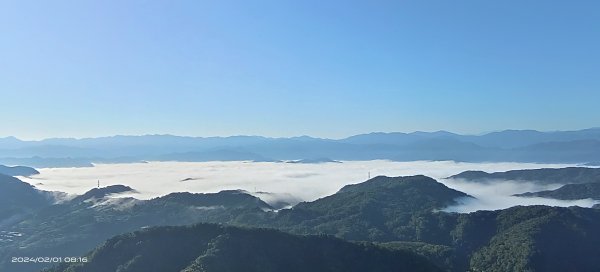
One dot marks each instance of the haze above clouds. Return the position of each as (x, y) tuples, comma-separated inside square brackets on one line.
[(291, 182)]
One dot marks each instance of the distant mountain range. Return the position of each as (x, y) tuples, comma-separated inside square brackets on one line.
[(582, 146)]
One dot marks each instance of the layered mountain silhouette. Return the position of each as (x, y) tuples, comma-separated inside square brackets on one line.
[(581, 146)]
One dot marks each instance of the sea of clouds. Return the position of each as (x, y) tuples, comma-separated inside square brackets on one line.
[(293, 182)]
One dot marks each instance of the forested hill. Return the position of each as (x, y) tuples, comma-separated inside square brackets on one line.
[(374, 210), (406, 210), (71, 228), (566, 175), (18, 198), (569, 192), (535, 238), (17, 170), (214, 248)]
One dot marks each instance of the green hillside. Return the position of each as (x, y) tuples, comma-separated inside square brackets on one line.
[(214, 248)]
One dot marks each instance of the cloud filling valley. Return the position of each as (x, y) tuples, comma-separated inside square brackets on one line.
[(293, 182)]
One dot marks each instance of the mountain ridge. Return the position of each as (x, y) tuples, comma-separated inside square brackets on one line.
[(566, 175), (582, 146)]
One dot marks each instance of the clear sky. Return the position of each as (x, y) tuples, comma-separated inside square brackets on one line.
[(284, 68)]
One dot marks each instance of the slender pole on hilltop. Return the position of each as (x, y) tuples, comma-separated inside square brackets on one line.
[(369, 175), (98, 184)]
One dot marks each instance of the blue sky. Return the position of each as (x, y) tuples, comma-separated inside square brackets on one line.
[(284, 68)]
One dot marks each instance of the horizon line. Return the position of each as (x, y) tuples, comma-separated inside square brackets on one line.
[(289, 137)]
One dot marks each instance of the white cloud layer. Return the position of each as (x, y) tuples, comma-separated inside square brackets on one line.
[(499, 195), (293, 182)]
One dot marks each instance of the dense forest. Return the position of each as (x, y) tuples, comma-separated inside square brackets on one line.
[(215, 248)]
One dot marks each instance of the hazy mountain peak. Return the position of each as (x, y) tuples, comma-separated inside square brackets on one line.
[(17, 170)]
